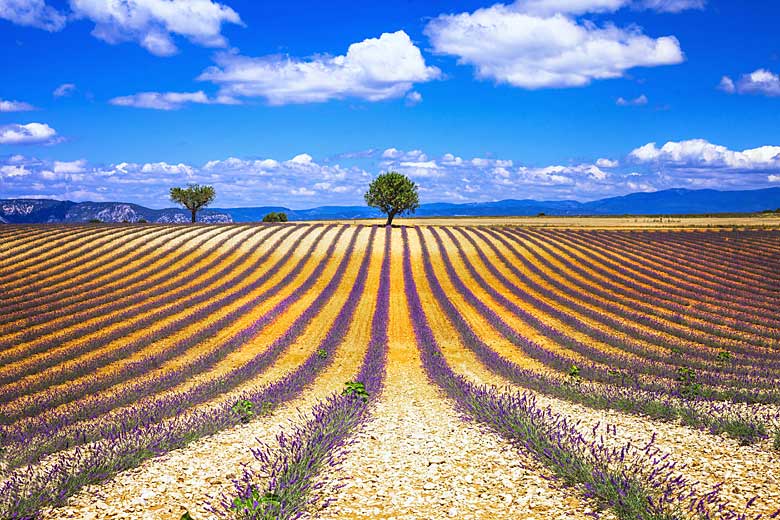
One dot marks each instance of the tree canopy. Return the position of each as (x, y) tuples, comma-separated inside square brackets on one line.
[(393, 194), (193, 197), (274, 216)]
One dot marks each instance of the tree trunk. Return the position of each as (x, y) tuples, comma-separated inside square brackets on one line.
[(389, 219), (194, 211)]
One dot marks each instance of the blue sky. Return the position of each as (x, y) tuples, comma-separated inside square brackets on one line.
[(302, 103)]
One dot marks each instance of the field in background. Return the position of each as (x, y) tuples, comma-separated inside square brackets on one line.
[(127, 346), (768, 221)]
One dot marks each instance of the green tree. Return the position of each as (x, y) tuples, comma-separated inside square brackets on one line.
[(193, 197), (393, 194), (275, 217)]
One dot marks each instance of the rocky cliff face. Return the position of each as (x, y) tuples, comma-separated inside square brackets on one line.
[(30, 211)]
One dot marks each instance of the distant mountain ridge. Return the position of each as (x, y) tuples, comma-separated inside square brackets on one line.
[(34, 211), (674, 201)]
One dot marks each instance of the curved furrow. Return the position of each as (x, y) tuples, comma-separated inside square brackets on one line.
[(696, 258), (323, 378), (618, 292), (59, 252), (675, 282), (16, 240), (20, 344), (562, 351), (610, 273), (693, 268), (631, 481), (158, 379), (747, 423), (145, 440), (739, 260), (700, 454), (53, 278), (248, 357), (37, 239), (675, 286), (574, 292), (606, 348), (80, 282), (144, 348), (137, 287)]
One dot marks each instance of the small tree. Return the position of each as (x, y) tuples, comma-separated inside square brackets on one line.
[(275, 217), (193, 197), (394, 194)]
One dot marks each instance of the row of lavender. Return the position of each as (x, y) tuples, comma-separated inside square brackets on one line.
[(680, 310), (52, 297), (212, 274), (283, 486), (91, 416), (72, 247), (689, 271), (30, 252), (106, 311), (569, 298), (567, 311), (582, 287), (733, 373), (170, 421), (609, 389), (634, 482)]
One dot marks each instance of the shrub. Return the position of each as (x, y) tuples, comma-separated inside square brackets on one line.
[(263, 506), (275, 217), (143, 221), (724, 356), (244, 409), (94, 221), (574, 374), (686, 379), (356, 389)]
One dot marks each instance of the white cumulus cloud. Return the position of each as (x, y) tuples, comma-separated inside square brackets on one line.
[(702, 153), (70, 166), (761, 81), (374, 69), (636, 102), (10, 171), (169, 100), (15, 106), (607, 163), (32, 13), (66, 89), (151, 23), (536, 45), (168, 169), (30, 133)]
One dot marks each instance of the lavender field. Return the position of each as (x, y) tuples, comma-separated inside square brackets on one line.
[(331, 370)]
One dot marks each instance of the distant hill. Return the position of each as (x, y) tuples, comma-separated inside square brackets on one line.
[(29, 211), (675, 201)]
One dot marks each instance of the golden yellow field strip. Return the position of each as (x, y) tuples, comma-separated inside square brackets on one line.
[(160, 249), (165, 342), (444, 330), (71, 248), (553, 268), (171, 275)]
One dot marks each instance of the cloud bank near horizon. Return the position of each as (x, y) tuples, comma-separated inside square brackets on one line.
[(303, 181)]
